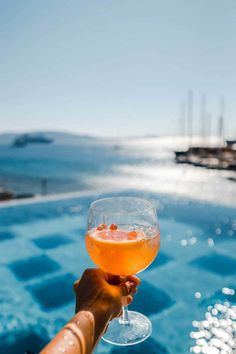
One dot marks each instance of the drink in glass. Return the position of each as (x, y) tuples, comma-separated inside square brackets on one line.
[(122, 239), (122, 252)]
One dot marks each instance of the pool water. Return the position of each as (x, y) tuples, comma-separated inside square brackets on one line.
[(188, 292)]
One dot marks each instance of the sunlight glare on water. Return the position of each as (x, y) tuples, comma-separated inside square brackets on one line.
[(156, 171), (217, 332)]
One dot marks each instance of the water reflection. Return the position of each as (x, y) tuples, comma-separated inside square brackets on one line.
[(216, 334)]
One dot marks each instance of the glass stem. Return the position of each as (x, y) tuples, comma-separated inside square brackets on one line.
[(124, 319)]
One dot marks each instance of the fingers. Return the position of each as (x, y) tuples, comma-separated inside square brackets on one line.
[(112, 279), (126, 300), (115, 279), (127, 284), (129, 299), (127, 288), (133, 278)]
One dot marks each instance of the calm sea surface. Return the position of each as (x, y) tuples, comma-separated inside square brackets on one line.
[(139, 163)]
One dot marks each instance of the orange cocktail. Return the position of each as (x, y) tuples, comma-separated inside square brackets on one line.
[(120, 251), (123, 238)]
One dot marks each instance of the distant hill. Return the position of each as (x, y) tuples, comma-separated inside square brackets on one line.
[(59, 138)]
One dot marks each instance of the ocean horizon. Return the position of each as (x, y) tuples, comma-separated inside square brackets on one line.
[(75, 163)]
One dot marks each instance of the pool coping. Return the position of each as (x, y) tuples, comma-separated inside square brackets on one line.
[(40, 199), (56, 197)]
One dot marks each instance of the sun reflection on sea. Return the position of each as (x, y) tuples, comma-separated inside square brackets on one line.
[(153, 169)]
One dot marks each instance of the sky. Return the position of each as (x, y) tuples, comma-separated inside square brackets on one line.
[(115, 68)]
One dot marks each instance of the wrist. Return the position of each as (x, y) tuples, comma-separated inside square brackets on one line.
[(95, 317), (98, 310)]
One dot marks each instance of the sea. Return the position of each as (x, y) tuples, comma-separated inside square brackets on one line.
[(138, 163)]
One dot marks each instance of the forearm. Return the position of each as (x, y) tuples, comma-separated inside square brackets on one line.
[(81, 334)]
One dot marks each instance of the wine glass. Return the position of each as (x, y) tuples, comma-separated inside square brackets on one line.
[(122, 239)]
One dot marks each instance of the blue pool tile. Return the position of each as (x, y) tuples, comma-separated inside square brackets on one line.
[(150, 300), (80, 231), (216, 263), (54, 292), (160, 260), (149, 346), (33, 267), (6, 235), (22, 343), (51, 241)]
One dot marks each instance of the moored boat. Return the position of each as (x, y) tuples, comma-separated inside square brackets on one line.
[(25, 139)]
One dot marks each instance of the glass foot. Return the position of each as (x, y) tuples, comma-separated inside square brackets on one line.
[(137, 330)]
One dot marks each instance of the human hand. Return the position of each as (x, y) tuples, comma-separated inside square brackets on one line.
[(99, 291), (98, 300)]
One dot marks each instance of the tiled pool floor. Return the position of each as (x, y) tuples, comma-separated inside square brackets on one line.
[(42, 252)]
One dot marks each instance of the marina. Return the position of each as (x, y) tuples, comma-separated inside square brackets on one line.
[(220, 158)]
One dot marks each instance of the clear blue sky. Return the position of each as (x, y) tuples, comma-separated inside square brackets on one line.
[(114, 67)]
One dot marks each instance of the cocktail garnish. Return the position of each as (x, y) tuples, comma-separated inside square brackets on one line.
[(102, 227), (132, 235), (113, 227)]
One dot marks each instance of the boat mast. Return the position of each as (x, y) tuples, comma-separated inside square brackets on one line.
[(190, 116), (209, 128), (182, 118), (221, 119), (203, 117)]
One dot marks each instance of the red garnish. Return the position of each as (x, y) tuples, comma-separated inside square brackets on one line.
[(102, 227), (132, 235), (113, 227)]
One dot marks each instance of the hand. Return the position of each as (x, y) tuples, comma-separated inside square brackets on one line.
[(98, 300), (97, 290)]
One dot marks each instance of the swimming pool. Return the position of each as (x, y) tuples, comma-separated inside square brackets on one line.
[(188, 292)]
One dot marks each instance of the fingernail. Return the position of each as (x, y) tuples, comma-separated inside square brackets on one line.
[(132, 285)]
